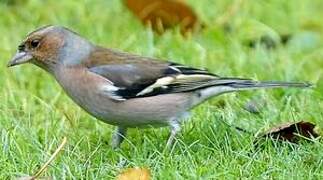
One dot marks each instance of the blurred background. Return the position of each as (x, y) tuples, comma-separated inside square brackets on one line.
[(267, 40)]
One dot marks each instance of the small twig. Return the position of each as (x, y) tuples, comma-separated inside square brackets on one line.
[(60, 147)]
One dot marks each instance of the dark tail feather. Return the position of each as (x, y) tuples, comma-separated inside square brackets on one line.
[(226, 85), (249, 84)]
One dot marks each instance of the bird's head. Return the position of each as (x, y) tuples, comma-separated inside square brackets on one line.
[(50, 47)]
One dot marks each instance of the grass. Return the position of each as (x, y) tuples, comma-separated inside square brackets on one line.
[(35, 114)]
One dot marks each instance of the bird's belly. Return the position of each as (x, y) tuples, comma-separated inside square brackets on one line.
[(137, 112)]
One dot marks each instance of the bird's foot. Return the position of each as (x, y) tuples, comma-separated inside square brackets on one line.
[(118, 137), (175, 128)]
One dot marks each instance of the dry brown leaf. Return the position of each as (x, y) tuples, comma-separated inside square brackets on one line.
[(292, 131), (164, 14), (135, 174)]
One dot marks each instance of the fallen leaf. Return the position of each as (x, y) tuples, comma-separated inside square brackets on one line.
[(292, 131), (164, 14), (135, 174)]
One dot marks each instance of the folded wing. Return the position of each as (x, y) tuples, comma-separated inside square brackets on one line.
[(136, 80)]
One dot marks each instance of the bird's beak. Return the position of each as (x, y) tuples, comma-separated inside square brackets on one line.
[(21, 57)]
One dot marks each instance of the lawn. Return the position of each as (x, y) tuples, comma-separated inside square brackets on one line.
[(35, 113)]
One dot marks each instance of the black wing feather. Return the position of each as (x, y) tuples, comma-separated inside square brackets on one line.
[(133, 78)]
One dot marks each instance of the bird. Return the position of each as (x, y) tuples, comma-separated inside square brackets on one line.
[(124, 89)]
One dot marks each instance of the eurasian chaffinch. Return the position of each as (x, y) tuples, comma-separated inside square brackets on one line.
[(123, 89)]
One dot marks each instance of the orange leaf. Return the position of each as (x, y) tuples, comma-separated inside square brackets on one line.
[(135, 174), (163, 14)]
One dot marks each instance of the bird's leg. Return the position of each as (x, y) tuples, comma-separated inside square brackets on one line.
[(175, 128), (118, 136)]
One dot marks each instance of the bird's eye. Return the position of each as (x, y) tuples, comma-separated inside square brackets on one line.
[(34, 43)]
